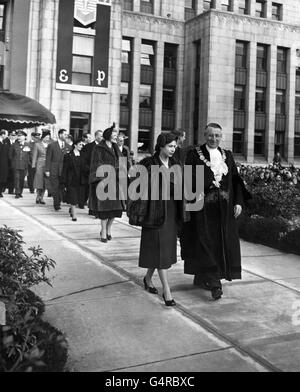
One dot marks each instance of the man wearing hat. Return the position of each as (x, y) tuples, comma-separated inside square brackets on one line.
[(19, 157), (35, 137)]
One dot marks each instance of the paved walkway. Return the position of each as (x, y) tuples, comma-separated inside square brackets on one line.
[(112, 324)]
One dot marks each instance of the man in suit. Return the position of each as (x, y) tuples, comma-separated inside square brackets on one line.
[(35, 137), (19, 156), (87, 153), (54, 165), (124, 149), (4, 160)]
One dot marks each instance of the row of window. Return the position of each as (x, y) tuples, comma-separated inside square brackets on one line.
[(146, 6)]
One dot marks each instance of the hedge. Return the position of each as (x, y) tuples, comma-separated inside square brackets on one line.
[(28, 344)]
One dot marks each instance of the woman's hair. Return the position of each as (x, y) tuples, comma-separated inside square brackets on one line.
[(164, 139), (77, 141)]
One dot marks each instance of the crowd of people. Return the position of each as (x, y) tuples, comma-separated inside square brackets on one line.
[(273, 173), (69, 170)]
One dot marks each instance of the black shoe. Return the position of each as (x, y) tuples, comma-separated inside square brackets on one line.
[(109, 237), (216, 293), (17, 197), (42, 202), (21, 196), (57, 208), (104, 240), (151, 290), (169, 303), (1, 195), (74, 219), (38, 202), (201, 283), (31, 191)]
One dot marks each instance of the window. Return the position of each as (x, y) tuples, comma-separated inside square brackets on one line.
[(298, 79), (243, 7), (124, 96), (260, 8), (170, 56), (126, 51), (297, 144), (259, 143), (145, 96), (262, 58), (297, 108), (2, 14), (128, 5), (144, 140), (82, 70), (260, 100), (280, 102), (281, 60), (239, 98), (226, 5), (190, 9), (207, 5), (276, 11), (147, 6), (80, 124), (238, 141), (241, 54), (168, 99), (147, 53), (279, 143)]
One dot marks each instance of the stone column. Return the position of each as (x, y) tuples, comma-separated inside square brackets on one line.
[(252, 4), (136, 5), (271, 103), (2, 314), (156, 7), (268, 9), (136, 77), (158, 90), (250, 103), (217, 4), (199, 7), (235, 6), (290, 109)]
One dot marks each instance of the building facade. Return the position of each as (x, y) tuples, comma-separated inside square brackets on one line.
[(155, 65)]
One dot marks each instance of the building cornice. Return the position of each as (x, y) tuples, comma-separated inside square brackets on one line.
[(224, 16), (138, 17)]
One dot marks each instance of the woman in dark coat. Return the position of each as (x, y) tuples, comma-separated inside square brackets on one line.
[(75, 177), (210, 242), (106, 153), (158, 248)]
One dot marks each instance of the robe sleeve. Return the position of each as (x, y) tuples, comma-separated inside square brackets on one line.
[(240, 193)]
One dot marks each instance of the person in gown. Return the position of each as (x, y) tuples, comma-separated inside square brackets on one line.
[(210, 243)]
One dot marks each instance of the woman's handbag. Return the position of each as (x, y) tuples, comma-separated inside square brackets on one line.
[(137, 211)]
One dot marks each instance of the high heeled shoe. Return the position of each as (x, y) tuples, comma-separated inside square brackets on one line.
[(151, 290), (104, 240), (169, 303)]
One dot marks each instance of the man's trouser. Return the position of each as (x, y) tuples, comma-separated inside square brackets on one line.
[(30, 178), (19, 181), (56, 191)]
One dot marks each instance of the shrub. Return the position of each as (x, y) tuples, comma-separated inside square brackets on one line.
[(28, 343), (291, 241), (274, 200)]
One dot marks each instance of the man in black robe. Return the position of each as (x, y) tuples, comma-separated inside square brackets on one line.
[(210, 241), (4, 160)]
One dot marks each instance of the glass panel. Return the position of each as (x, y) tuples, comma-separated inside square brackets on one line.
[(81, 79), (82, 64), (83, 45), (144, 140), (80, 123), (259, 141), (145, 96)]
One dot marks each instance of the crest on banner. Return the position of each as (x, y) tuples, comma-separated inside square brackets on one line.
[(86, 10)]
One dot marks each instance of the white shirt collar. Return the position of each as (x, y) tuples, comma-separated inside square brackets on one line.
[(76, 153)]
